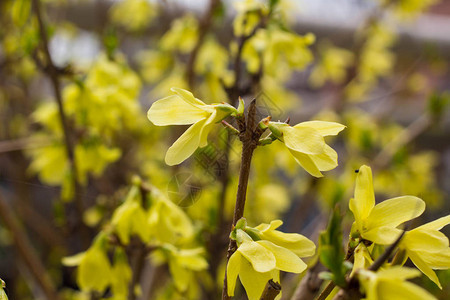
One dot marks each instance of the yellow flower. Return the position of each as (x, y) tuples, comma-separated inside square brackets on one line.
[(306, 143), (258, 259), (182, 263), (94, 271), (428, 248), (184, 109), (167, 222), (390, 284), (377, 223), (131, 218)]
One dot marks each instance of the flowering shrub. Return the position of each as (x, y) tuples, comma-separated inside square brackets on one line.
[(115, 205)]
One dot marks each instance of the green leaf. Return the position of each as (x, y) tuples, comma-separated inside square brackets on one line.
[(331, 252)]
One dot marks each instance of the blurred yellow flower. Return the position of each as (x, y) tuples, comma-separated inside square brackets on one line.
[(377, 223), (94, 270), (428, 248), (306, 143), (131, 218), (390, 284), (182, 262), (184, 109)]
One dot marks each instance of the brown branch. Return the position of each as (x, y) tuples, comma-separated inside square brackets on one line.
[(237, 90), (271, 290), (138, 253), (204, 27), (326, 291), (137, 261), (385, 256), (53, 73), (22, 144), (27, 252), (249, 137)]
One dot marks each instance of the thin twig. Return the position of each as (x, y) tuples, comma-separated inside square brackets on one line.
[(271, 290), (204, 27), (22, 144), (405, 137), (249, 137), (27, 252), (53, 74), (386, 254), (310, 284)]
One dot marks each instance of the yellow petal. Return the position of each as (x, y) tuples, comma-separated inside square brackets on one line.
[(73, 260), (188, 97), (306, 162), (303, 139), (180, 275), (362, 258), (384, 235), (191, 260), (295, 242), (263, 227), (397, 272), (286, 260), (173, 110), (233, 268), (325, 161), (395, 211), (207, 127), (94, 271), (422, 266), (254, 282), (261, 259), (323, 127), (437, 260), (425, 240), (396, 290), (185, 145), (364, 199), (436, 224)]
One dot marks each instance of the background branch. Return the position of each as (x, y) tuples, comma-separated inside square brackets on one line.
[(26, 251), (52, 73)]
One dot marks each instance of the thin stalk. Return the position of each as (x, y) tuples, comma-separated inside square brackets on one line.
[(27, 252), (205, 26), (271, 290), (249, 136), (53, 73)]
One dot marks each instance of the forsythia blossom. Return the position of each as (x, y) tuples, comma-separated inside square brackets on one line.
[(390, 284), (184, 109), (262, 253), (94, 258), (428, 248), (378, 223), (306, 143)]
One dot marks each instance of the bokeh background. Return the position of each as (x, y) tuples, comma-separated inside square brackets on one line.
[(380, 67)]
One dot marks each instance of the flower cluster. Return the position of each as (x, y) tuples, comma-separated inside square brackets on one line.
[(305, 141), (425, 245), (262, 253)]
